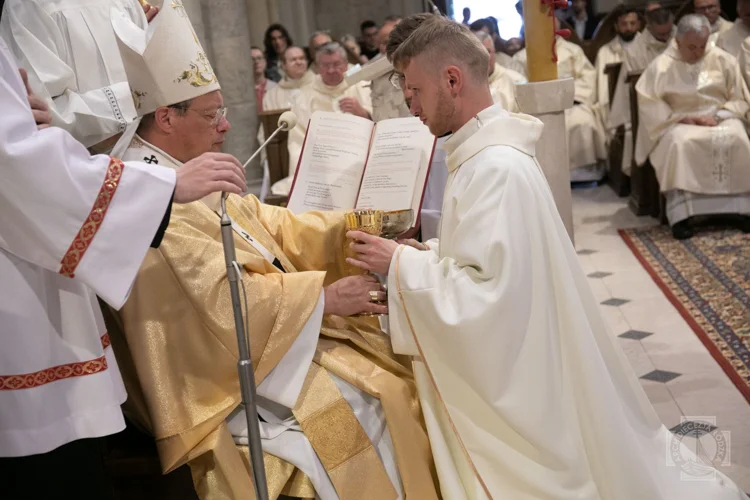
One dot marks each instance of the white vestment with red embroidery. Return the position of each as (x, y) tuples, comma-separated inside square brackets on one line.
[(64, 215)]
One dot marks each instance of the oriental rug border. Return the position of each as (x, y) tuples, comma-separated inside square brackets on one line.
[(703, 278)]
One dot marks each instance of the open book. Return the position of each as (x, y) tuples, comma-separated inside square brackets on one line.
[(349, 162)]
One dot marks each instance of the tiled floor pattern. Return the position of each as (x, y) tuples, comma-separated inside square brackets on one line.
[(678, 374)]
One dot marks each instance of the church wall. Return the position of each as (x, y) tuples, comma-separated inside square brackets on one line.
[(344, 16)]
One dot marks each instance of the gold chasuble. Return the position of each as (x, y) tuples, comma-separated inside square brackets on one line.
[(179, 354)]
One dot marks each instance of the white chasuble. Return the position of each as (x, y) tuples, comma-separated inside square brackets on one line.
[(316, 97), (526, 394), (65, 215), (586, 137), (69, 50), (705, 160)]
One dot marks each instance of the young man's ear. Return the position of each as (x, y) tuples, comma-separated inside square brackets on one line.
[(455, 79)]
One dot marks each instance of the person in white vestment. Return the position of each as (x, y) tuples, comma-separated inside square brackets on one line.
[(525, 392), (296, 76), (731, 39), (712, 10), (644, 49), (329, 91), (586, 136), (627, 25), (73, 227), (68, 49), (693, 104), (432, 203), (502, 80)]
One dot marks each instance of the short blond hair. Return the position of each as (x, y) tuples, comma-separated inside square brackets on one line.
[(444, 42)]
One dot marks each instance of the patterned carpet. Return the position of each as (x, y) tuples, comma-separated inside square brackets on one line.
[(707, 278)]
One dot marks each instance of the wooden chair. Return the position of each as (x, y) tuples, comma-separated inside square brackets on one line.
[(645, 198), (276, 152), (618, 181), (605, 32)]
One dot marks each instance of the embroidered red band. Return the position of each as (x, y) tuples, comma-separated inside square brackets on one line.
[(69, 370), (93, 222)]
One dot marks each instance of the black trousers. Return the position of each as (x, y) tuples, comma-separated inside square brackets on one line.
[(73, 471)]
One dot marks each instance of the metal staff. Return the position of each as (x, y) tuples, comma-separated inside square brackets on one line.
[(244, 363)]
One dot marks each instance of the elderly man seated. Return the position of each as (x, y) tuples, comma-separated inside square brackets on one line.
[(328, 92), (693, 103), (339, 414), (502, 80), (586, 136), (296, 76)]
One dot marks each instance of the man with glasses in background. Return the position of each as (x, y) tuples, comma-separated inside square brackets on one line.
[(328, 92), (712, 10)]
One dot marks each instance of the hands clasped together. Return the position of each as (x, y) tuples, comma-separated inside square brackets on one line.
[(703, 121)]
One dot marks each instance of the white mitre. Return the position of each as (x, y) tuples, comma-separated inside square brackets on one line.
[(165, 64)]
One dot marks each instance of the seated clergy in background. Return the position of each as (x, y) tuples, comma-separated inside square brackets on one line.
[(328, 92), (586, 137), (296, 76), (693, 103), (502, 80), (639, 54), (712, 10), (336, 404), (627, 25), (387, 100), (731, 39)]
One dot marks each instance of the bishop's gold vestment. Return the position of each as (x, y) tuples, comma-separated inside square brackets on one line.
[(178, 347)]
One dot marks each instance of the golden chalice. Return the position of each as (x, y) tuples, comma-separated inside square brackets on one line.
[(389, 225)]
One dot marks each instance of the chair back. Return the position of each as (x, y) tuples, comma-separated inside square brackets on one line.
[(612, 71), (276, 151)]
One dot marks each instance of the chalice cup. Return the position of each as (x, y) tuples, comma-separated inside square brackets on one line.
[(389, 225)]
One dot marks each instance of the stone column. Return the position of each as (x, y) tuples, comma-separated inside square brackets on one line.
[(548, 102), (228, 35)]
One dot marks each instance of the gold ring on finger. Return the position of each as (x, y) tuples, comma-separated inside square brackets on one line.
[(374, 296)]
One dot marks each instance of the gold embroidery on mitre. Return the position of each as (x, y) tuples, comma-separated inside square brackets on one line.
[(137, 94), (200, 73)]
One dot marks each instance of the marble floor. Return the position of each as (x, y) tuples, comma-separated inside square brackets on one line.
[(681, 378)]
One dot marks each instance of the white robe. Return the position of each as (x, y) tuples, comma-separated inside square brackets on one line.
[(731, 39), (525, 393), (316, 97), (282, 95), (503, 87), (69, 49), (281, 434), (509, 62), (586, 137), (64, 213), (637, 56)]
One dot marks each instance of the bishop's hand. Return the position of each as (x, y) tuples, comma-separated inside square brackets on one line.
[(355, 295), (373, 253), (209, 173)]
